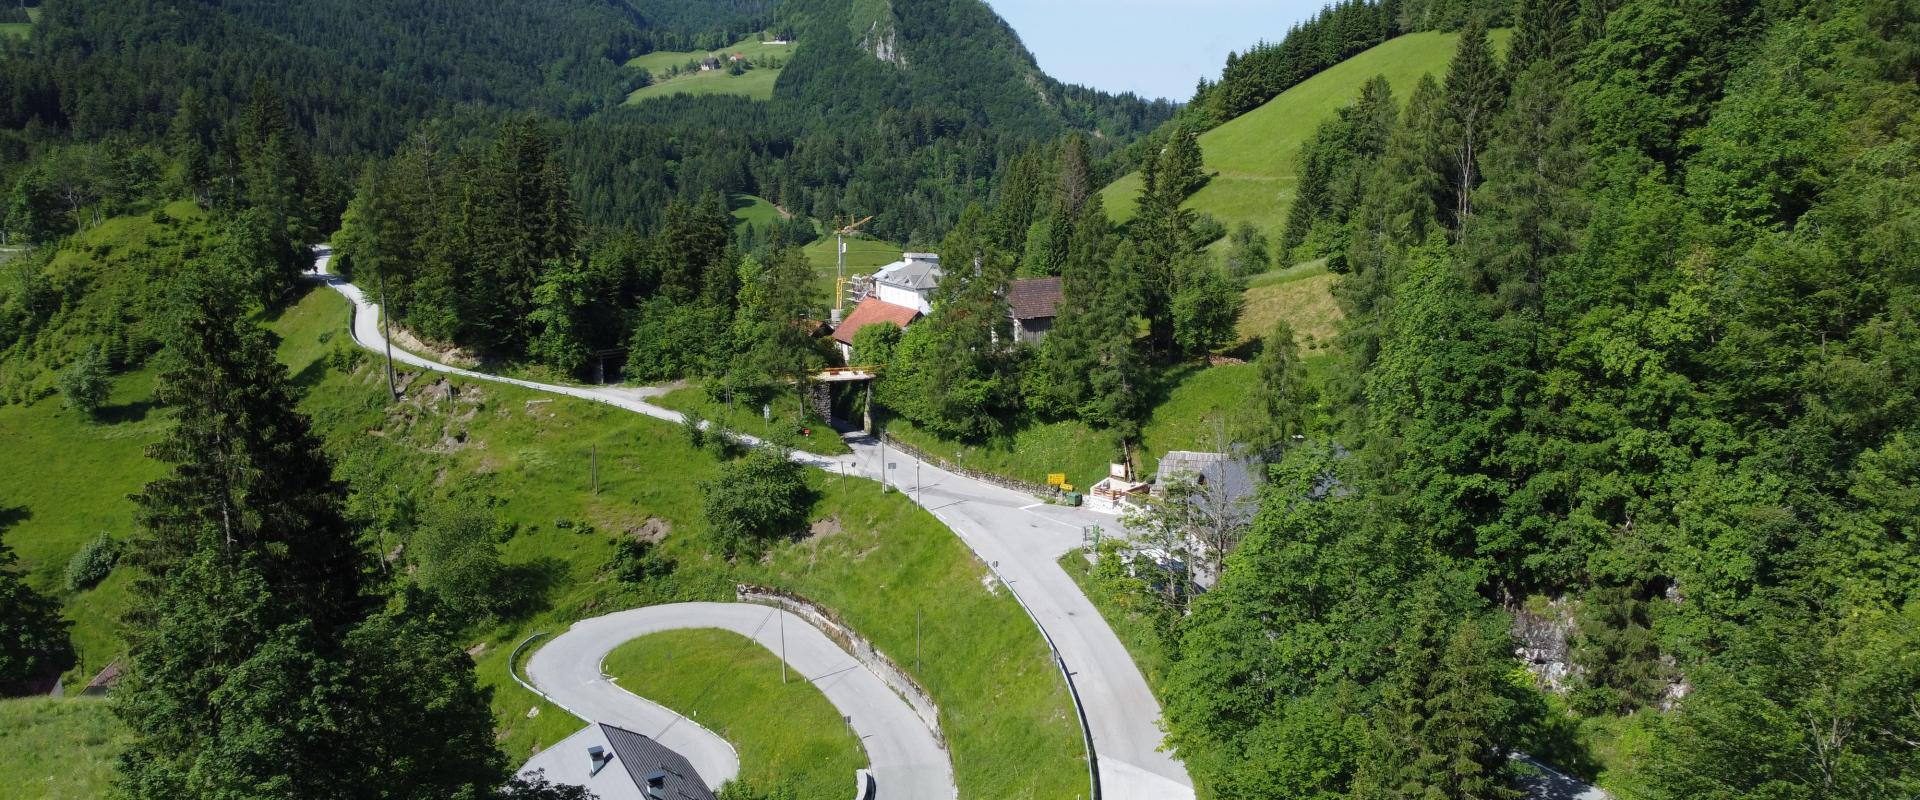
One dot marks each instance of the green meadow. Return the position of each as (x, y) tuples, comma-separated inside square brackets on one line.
[(786, 733)]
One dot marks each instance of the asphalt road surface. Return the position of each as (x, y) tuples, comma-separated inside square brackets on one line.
[(901, 751), (1014, 533)]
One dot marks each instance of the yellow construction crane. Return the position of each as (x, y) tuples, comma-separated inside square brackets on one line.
[(848, 226)]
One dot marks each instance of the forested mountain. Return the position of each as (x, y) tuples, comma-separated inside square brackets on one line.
[(1629, 349)]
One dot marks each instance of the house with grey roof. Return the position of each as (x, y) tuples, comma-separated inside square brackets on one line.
[(909, 282), (1228, 479), (617, 764)]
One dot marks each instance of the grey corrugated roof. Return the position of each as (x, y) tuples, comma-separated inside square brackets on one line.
[(1233, 478), (644, 757), (917, 271)]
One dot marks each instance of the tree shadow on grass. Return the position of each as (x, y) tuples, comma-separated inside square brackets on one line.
[(312, 374), (526, 588), (13, 515), (126, 412)]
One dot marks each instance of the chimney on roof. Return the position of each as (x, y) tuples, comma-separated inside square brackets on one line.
[(601, 758)]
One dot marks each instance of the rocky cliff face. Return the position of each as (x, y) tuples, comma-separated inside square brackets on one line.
[(882, 39), (1543, 640)]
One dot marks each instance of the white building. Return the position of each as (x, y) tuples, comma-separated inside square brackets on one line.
[(909, 282)]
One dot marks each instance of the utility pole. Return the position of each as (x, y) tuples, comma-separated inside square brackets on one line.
[(883, 463), (593, 465), (840, 263), (386, 335)]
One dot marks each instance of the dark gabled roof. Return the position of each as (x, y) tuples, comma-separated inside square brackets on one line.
[(1033, 298), (870, 311), (644, 758)]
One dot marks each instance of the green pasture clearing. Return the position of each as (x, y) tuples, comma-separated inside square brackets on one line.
[(58, 748), (786, 733), (1256, 155), (754, 210), (753, 48), (756, 84), (21, 30), (1303, 296)]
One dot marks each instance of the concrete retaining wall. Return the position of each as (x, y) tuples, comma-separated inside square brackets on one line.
[(862, 650)]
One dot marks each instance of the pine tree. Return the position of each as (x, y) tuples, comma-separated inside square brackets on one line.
[(1475, 90), (1468, 720), (1531, 212), (33, 635), (192, 141), (1284, 393), (248, 473), (277, 179)]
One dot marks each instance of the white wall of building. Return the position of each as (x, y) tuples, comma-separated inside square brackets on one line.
[(901, 296)]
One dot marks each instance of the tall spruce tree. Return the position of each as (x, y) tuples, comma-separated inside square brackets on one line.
[(1475, 91), (256, 670), (248, 474)]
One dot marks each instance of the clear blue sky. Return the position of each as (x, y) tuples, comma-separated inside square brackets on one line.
[(1156, 48)]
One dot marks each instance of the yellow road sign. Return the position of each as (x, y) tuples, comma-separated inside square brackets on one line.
[(1056, 478)]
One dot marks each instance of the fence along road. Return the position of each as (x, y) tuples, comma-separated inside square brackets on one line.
[(905, 759)]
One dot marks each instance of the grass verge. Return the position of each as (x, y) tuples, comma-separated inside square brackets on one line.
[(786, 733), (58, 748), (784, 428)]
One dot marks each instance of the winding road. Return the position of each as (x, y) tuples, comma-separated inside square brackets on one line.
[(1018, 537), (906, 760)]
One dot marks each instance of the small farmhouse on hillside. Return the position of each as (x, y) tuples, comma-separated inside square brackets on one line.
[(1033, 303), (710, 63)]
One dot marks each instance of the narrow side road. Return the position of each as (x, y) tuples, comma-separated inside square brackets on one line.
[(1020, 538), (905, 760)]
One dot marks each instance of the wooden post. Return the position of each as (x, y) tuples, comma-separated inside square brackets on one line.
[(593, 461), (386, 335)]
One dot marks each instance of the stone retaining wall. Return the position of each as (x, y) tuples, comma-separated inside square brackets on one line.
[(862, 650), (1001, 481)]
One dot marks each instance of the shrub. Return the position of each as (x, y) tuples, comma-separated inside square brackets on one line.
[(91, 564), (456, 557), (758, 498), (85, 383)]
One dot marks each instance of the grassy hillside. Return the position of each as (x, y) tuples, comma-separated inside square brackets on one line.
[(864, 255), (1303, 295), (754, 83), (21, 30), (58, 749), (1255, 155), (786, 733), (1005, 709), (752, 47), (753, 210)]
